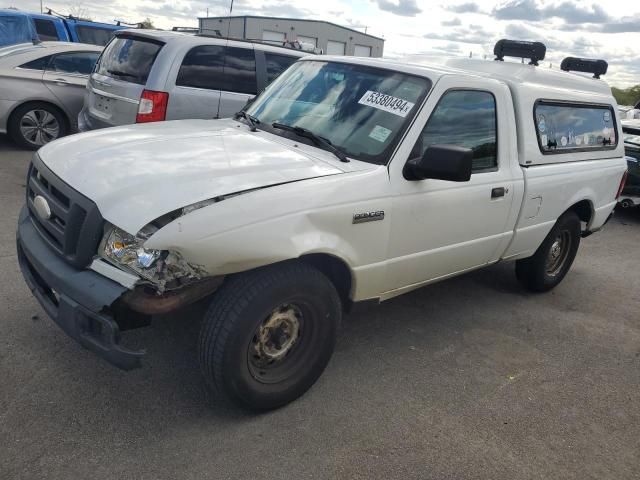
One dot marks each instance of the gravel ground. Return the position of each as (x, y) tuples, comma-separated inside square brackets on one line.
[(469, 378)]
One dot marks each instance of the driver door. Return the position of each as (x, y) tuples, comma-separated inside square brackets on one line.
[(439, 227)]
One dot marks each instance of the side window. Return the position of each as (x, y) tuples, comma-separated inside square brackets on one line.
[(239, 71), (46, 29), (276, 64), (94, 35), (78, 63), (201, 67), (563, 127), (215, 67), (466, 118), (37, 64)]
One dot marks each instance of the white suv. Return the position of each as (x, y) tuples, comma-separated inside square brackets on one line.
[(149, 76), (347, 180)]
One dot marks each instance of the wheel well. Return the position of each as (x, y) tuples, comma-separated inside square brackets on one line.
[(40, 102), (336, 270), (583, 209)]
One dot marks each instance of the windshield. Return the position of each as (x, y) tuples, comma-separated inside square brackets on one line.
[(361, 110), (631, 138), (631, 134), (129, 59), (15, 29)]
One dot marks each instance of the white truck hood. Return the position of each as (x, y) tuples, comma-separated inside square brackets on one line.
[(138, 173)]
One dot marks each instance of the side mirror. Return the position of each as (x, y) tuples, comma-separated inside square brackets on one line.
[(441, 162)]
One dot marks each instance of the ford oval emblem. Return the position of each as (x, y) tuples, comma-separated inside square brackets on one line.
[(42, 207)]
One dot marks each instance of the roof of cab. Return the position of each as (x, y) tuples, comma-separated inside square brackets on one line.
[(520, 73), (189, 39), (6, 12), (431, 71)]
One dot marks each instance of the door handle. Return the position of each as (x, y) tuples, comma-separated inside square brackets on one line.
[(498, 192), (62, 81)]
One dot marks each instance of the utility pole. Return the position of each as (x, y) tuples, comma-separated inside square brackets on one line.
[(41, 11)]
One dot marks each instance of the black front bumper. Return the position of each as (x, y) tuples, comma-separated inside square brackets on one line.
[(78, 301)]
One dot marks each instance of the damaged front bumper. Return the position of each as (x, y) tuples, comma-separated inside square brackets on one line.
[(78, 301), (85, 303)]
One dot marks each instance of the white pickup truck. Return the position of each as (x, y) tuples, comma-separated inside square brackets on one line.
[(346, 180)]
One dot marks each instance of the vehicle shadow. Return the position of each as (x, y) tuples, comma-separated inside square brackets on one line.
[(171, 365), (7, 145), (169, 387), (628, 216)]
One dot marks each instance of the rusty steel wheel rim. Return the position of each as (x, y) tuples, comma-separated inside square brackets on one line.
[(280, 343)]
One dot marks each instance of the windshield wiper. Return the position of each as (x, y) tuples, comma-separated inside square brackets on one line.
[(122, 74), (251, 120), (318, 140)]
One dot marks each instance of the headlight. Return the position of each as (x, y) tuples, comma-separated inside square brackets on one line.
[(127, 250), (165, 269)]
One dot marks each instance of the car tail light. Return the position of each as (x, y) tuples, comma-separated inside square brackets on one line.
[(622, 183), (152, 107)]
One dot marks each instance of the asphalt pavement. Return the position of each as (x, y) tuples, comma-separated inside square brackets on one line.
[(469, 378)]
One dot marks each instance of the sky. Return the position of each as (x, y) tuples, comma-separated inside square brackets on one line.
[(423, 30)]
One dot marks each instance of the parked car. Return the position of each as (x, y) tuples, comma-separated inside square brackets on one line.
[(631, 127), (347, 180), (19, 27), (631, 194), (149, 76), (42, 89)]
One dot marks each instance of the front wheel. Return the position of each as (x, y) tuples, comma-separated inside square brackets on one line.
[(269, 334), (553, 259)]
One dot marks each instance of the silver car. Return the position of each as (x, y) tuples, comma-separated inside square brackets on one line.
[(42, 89), (150, 76)]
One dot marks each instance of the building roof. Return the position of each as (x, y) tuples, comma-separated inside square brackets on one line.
[(293, 20)]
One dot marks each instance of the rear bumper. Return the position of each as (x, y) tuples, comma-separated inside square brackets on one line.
[(77, 300), (87, 122), (83, 121)]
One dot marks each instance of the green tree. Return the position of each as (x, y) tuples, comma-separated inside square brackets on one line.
[(627, 96), (147, 24)]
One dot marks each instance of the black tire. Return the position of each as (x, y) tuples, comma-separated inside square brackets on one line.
[(238, 336), (626, 203), (46, 120), (553, 259)]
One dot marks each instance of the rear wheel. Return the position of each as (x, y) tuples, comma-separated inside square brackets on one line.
[(626, 203), (35, 124), (269, 334), (553, 259)]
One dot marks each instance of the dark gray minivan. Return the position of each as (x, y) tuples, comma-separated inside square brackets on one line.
[(149, 76)]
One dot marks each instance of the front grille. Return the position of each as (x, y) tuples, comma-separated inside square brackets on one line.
[(74, 228)]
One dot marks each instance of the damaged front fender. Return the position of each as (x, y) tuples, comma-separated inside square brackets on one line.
[(147, 302)]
